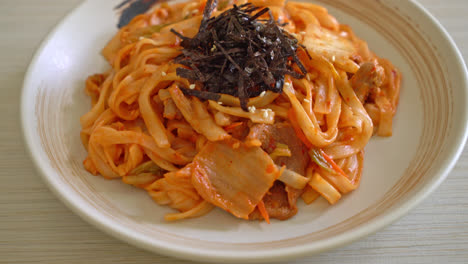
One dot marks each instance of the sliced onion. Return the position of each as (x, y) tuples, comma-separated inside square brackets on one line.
[(293, 179)]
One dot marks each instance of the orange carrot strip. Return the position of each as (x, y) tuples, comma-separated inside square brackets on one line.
[(333, 164), (232, 126), (263, 211)]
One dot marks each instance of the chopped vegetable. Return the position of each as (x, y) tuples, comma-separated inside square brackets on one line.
[(263, 211), (235, 180), (324, 161), (145, 173), (293, 179), (318, 158), (147, 167), (333, 164), (281, 150), (233, 126)]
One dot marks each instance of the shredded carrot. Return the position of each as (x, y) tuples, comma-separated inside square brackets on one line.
[(263, 211), (232, 126), (302, 137), (333, 164), (297, 129)]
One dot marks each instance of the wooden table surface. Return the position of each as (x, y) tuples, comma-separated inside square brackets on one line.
[(35, 227)]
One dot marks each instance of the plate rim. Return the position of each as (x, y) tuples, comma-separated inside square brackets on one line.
[(179, 251)]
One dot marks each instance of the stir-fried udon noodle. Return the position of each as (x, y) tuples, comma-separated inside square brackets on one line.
[(252, 156)]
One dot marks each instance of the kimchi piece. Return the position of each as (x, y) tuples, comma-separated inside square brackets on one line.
[(234, 179)]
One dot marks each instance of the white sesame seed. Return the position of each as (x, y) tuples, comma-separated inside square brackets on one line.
[(192, 86), (302, 33), (252, 109), (333, 58), (213, 48), (287, 84), (195, 12), (163, 73), (308, 77), (307, 100), (263, 94), (220, 103), (141, 38), (266, 112)]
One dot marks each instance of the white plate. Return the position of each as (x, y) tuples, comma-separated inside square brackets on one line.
[(429, 135)]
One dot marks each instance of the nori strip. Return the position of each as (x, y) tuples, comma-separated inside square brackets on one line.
[(237, 53)]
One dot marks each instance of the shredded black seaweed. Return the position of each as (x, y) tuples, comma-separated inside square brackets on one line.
[(204, 95), (237, 53)]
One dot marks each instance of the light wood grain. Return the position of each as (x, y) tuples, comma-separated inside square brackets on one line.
[(36, 228)]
